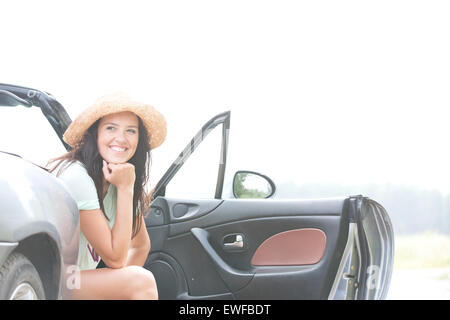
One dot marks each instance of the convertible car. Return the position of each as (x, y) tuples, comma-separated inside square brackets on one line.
[(247, 246)]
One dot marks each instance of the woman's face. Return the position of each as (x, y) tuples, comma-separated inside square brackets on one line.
[(118, 135)]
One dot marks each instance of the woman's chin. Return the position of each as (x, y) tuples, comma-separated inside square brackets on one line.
[(116, 160)]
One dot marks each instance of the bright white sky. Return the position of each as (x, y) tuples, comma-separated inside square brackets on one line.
[(319, 91)]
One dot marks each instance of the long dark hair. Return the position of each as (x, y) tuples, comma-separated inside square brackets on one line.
[(87, 153)]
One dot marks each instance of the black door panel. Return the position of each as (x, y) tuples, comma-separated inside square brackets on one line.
[(256, 231), (213, 212), (182, 210), (168, 211), (201, 267), (199, 271), (235, 279)]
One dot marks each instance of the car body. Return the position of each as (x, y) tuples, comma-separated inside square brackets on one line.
[(235, 248), (39, 223)]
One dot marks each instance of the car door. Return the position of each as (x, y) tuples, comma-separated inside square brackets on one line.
[(215, 248)]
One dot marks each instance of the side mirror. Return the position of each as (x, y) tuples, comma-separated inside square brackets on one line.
[(252, 185)]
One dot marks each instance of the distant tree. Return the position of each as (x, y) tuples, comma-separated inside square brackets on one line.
[(243, 193), (238, 186)]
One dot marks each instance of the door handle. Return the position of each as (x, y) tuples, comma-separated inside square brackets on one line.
[(233, 278), (237, 241)]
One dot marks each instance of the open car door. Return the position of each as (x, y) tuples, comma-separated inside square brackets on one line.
[(339, 248)]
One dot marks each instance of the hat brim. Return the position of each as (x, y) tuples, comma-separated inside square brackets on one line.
[(153, 120)]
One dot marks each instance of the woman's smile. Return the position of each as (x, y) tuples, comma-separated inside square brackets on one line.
[(118, 149)]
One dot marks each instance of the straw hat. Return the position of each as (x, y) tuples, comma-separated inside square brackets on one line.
[(153, 120)]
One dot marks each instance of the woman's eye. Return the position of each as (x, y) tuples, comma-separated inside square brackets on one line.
[(132, 131), (110, 128)]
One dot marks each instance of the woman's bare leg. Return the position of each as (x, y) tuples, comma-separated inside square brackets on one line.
[(130, 282)]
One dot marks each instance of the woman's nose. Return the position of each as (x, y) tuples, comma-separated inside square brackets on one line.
[(120, 136)]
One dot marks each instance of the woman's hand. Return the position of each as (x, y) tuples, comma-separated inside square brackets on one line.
[(122, 175)]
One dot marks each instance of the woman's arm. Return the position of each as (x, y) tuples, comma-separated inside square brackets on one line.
[(112, 244), (139, 248)]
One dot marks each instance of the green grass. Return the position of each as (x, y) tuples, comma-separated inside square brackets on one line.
[(427, 250)]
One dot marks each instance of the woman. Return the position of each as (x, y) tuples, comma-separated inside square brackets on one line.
[(105, 172)]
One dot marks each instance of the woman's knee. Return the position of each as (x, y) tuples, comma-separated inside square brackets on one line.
[(142, 283)]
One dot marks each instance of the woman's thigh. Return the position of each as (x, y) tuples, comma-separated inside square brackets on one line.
[(125, 283)]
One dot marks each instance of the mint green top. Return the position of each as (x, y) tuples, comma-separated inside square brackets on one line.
[(82, 188)]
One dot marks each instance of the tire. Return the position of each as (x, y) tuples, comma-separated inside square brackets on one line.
[(19, 279)]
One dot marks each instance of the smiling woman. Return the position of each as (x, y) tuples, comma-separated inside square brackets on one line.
[(106, 172)]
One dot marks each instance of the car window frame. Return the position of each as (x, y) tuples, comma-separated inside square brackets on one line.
[(220, 119), (52, 110)]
